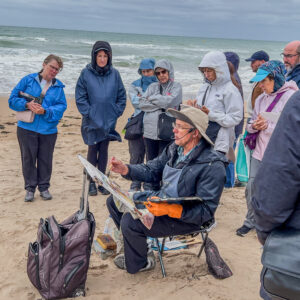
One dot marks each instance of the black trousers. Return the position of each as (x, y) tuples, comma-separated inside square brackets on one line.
[(135, 234), (137, 156), (153, 149), (37, 155), (98, 155)]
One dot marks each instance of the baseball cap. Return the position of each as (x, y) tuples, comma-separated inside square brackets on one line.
[(260, 75), (259, 55)]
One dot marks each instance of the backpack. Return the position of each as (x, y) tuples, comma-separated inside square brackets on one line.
[(58, 260)]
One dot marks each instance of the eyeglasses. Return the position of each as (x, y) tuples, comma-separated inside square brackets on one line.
[(54, 68), (161, 72), (289, 55), (179, 127)]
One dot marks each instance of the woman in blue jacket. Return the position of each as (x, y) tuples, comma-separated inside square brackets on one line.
[(101, 99), (37, 138)]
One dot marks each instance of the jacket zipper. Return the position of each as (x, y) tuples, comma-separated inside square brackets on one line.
[(72, 273)]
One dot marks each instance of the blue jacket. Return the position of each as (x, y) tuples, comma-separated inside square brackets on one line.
[(101, 100), (54, 104), (203, 175), (294, 75), (276, 198)]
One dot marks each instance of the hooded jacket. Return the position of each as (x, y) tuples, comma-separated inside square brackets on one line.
[(223, 100), (157, 97), (139, 86), (294, 74), (276, 198), (261, 105), (203, 175), (100, 98), (54, 103)]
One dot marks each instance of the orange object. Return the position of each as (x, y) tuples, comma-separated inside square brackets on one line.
[(106, 242), (162, 209)]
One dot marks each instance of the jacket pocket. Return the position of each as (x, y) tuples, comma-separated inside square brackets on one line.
[(33, 266)]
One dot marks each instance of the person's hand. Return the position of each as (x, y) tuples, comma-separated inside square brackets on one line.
[(162, 209), (260, 123), (205, 109), (192, 102), (118, 166), (34, 107)]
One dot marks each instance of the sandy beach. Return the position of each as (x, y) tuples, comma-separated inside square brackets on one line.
[(187, 276)]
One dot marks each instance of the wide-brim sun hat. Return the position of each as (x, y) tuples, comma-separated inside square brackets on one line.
[(260, 75), (193, 116)]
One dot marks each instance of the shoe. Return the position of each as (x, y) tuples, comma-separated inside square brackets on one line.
[(134, 190), (151, 262), (29, 196), (102, 190), (92, 189), (242, 231), (46, 195), (238, 183), (120, 262)]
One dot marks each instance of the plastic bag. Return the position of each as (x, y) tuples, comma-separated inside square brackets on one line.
[(242, 163)]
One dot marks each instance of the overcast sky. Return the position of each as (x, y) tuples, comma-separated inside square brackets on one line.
[(252, 19)]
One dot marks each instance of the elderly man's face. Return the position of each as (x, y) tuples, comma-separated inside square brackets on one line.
[(290, 56), (183, 133)]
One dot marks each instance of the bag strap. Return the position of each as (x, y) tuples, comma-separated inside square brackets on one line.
[(45, 89), (274, 102), (204, 96)]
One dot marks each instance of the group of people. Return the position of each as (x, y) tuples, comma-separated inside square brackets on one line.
[(193, 161)]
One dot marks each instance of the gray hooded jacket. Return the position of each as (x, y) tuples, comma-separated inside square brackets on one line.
[(222, 98), (157, 97)]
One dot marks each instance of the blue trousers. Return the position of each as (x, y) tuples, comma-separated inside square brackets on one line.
[(135, 234)]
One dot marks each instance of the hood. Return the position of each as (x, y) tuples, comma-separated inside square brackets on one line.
[(101, 45), (216, 60), (288, 85), (165, 64), (233, 58), (146, 64)]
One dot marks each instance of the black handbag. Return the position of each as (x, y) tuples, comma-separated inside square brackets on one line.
[(134, 127), (281, 261), (165, 127)]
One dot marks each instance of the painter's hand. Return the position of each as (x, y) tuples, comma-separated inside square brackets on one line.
[(205, 109), (118, 166)]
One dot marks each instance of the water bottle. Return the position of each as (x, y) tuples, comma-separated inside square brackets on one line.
[(109, 226)]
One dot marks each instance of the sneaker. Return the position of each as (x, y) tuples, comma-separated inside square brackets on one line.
[(103, 190), (151, 262), (46, 195), (120, 261), (29, 196), (92, 189), (242, 231), (238, 183)]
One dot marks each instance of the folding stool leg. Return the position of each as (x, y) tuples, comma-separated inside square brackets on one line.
[(159, 252), (204, 239)]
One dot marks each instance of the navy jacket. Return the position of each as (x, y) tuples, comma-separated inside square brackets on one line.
[(203, 175), (294, 75), (101, 100), (54, 103), (276, 198)]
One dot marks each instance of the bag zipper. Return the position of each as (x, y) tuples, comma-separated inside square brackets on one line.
[(36, 259), (72, 273)]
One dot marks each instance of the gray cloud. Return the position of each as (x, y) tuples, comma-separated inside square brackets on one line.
[(256, 19)]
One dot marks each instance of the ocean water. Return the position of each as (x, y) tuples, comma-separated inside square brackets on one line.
[(22, 51)]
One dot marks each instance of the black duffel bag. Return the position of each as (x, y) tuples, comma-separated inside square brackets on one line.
[(281, 261), (134, 127), (165, 127)]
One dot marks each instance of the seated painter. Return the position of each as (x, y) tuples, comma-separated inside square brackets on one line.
[(187, 167)]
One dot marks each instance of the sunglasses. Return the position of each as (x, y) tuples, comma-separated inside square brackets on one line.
[(161, 72)]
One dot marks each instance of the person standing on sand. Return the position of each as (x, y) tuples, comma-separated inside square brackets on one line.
[(270, 77), (101, 99), (161, 95), (137, 89), (37, 138)]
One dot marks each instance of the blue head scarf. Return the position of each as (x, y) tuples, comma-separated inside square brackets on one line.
[(277, 70), (145, 81)]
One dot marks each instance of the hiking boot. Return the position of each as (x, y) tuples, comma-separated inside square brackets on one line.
[(242, 231), (29, 196), (103, 190), (92, 189), (46, 195)]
